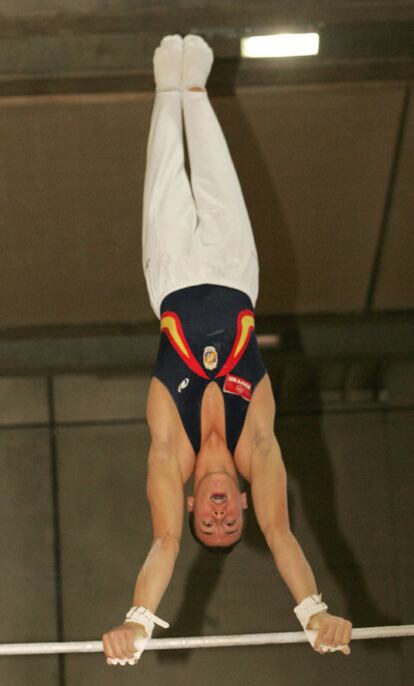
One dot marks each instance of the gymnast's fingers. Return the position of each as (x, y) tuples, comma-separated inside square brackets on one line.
[(346, 636)]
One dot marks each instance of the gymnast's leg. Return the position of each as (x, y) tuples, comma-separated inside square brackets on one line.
[(219, 199), (169, 213)]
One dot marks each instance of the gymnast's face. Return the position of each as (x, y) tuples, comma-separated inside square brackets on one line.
[(218, 510)]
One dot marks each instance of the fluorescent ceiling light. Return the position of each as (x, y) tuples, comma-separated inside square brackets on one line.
[(280, 45)]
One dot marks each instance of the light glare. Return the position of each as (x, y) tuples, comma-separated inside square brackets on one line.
[(280, 45)]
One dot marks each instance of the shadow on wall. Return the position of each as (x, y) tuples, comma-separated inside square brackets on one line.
[(278, 273), (313, 473), (191, 617)]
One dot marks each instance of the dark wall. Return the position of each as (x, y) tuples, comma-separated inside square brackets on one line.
[(76, 527), (325, 169)]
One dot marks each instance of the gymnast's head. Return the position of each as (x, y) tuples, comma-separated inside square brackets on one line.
[(216, 512)]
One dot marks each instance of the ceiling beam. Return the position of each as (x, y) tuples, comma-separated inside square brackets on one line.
[(123, 16), (126, 348)]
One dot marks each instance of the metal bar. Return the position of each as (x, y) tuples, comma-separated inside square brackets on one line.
[(190, 642)]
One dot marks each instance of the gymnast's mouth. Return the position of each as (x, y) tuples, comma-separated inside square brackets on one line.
[(218, 498)]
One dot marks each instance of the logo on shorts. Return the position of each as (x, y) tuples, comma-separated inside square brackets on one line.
[(210, 357), (238, 386), (184, 383)]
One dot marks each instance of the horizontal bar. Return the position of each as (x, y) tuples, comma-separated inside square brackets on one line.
[(201, 641)]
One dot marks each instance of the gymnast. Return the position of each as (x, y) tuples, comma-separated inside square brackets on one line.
[(210, 407)]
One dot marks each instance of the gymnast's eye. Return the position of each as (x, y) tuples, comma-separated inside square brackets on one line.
[(207, 524), (230, 522)]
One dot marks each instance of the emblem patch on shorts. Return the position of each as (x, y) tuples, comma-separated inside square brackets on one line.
[(210, 357), (238, 386)]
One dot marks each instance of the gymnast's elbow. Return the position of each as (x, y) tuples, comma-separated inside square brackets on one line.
[(166, 545), (278, 535)]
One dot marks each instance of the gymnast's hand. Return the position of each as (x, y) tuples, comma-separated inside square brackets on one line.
[(119, 643), (333, 633)]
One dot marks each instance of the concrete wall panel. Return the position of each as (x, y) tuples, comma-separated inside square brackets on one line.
[(400, 439), (23, 400), (395, 289), (27, 565), (88, 398), (314, 164), (338, 496), (71, 247)]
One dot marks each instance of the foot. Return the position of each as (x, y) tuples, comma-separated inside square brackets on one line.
[(198, 59), (167, 61)]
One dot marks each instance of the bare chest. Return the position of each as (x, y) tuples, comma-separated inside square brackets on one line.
[(212, 412), (212, 418)]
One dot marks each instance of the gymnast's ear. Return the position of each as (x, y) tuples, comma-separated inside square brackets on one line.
[(190, 503), (244, 501)]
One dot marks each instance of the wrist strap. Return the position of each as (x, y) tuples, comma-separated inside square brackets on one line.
[(141, 615), (308, 607)]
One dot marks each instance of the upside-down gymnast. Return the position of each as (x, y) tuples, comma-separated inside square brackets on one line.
[(210, 406)]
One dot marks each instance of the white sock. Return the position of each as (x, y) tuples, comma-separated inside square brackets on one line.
[(167, 63), (198, 58)]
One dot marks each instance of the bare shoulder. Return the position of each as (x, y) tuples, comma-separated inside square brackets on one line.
[(259, 423), (258, 426)]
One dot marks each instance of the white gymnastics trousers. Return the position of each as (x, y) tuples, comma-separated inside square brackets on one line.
[(198, 233)]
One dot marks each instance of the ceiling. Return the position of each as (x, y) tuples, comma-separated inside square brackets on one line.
[(91, 45)]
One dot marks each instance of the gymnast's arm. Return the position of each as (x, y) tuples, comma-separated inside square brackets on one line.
[(267, 475), (166, 498), (269, 493), (165, 495)]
